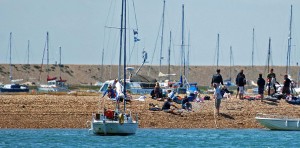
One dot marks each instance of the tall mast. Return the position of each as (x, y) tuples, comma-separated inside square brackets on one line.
[(102, 69), (188, 57), (182, 44), (47, 40), (162, 36), (10, 69), (28, 52), (252, 47), (59, 55), (169, 56), (269, 54), (218, 48), (288, 64), (124, 90), (60, 61), (121, 37), (230, 62)]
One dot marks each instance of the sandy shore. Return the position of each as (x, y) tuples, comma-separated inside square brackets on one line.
[(73, 111)]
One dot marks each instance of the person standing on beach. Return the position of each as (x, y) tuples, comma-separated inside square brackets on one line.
[(261, 86), (271, 81), (241, 81), (240, 76), (215, 82), (286, 85)]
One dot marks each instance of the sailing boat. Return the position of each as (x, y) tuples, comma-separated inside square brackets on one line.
[(53, 84), (116, 122), (229, 82), (13, 87)]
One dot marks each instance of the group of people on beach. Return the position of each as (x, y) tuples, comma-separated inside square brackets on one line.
[(217, 82)]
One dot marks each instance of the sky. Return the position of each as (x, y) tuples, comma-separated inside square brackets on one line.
[(86, 30)]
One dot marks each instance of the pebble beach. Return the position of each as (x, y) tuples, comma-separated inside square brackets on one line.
[(75, 110)]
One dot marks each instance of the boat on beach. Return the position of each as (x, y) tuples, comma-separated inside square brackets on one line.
[(53, 84), (275, 122), (13, 87)]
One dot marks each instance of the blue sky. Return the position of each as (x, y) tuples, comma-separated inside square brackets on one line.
[(78, 26)]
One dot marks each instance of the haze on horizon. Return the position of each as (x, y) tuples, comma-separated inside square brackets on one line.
[(83, 28)]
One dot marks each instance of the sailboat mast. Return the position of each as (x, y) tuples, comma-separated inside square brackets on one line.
[(102, 68), (288, 64), (230, 62), (60, 61), (28, 51), (124, 90), (162, 36), (59, 55), (269, 54), (169, 56), (188, 58), (10, 69), (182, 44), (218, 48), (48, 54), (252, 47), (121, 37)]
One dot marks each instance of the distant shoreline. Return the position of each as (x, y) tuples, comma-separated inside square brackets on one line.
[(90, 74)]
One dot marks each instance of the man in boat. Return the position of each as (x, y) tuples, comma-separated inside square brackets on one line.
[(286, 85), (271, 81), (261, 86), (215, 82)]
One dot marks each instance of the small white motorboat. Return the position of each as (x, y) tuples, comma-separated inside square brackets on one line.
[(276, 122)]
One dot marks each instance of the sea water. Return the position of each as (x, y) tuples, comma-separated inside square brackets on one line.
[(150, 138)]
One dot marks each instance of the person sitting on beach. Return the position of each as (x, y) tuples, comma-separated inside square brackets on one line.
[(167, 107), (171, 94), (157, 92), (261, 86), (110, 92), (225, 92), (186, 104), (128, 96)]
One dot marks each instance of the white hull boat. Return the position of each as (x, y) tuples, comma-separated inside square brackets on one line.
[(279, 123), (117, 125)]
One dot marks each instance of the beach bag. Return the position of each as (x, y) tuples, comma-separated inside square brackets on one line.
[(206, 97)]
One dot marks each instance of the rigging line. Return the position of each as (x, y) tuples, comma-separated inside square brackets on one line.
[(106, 20), (155, 46), (137, 28), (42, 61)]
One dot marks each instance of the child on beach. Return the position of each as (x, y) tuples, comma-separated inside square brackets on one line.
[(218, 97)]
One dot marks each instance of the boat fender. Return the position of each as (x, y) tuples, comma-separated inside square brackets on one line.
[(121, 118)]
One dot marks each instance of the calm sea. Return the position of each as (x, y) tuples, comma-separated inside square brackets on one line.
[(150, 138)]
